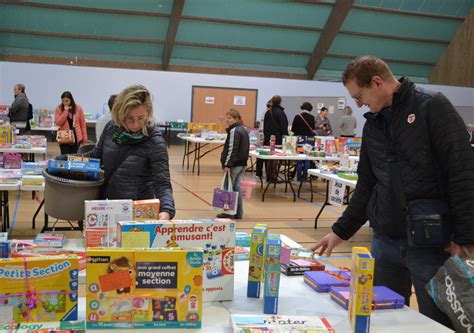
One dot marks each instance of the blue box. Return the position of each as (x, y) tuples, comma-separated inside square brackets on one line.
[(75, 169), (272, 274), (4, 245)]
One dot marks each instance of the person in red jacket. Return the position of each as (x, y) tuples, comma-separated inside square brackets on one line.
[(70, 115)]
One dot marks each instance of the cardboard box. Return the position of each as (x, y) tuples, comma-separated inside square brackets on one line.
[(152, 288), (360, 300), (383, 298), (322, 281), (242, 239), (101, 217), (4, 245), (146, 209), (272, 274), (50, 239), (215, 236), (256, 262), (299, 266), (75, 169), (242, 323), (51, 286)]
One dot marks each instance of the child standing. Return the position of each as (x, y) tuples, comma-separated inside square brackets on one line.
[(234, 156)]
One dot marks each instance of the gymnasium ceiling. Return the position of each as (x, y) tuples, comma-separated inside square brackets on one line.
[(302, 39)]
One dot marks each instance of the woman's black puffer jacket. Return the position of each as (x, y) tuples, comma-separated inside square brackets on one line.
[(137, 170)]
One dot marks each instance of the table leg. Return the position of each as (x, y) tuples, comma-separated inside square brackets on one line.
[(185, 153), (199, 159), (265, 191), (326, 201), (7, 209), (4, 225), (311, 186), (287, 179), (36, 213), (45, 226), (195, 154)]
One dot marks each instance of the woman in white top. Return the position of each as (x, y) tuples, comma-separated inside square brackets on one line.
[(348, 123)]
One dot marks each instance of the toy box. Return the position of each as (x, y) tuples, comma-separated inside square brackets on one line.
[(216, 237), (75, 169), (256, 262), (32, 168), (32, 180), (322, 281), (12, 161), (272, 274), (152, 288), (4, 245), (242, 323), (146, 209), (101, 218), (241, 253), (383, 298), (38, 289), (242, 239), (50, 239), (289, 143), (360, 300), (299, 266)]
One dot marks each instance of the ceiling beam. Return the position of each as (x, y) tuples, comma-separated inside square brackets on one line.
[(173, 24), (138, 65), (394, 37), (405, 12), (242, 48), (81, 9), (82, 36), (333, 25), (396, 61)]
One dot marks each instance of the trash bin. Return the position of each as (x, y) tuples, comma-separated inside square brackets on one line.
[(64, 198)]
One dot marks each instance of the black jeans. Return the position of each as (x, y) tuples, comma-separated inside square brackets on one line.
[(398, 266), (69, 149)]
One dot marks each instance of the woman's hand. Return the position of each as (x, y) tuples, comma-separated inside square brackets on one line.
[(164, 216)]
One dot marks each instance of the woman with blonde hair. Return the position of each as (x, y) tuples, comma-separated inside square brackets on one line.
[(348, 123), (133, 152)]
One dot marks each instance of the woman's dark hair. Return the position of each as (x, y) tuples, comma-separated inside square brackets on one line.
[(324, 109), (67, 94), (276, 100), (111, 101), (306, 106)]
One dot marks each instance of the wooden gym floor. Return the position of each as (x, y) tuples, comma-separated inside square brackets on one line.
[(193, 196)]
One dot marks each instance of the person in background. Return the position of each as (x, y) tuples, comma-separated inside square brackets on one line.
[(234, 157), (104, 119), (348, 123), (275, 123), (133, 153), (259, 163), (323, 126), (18, 111), (303, 125), (416, 136), (70, 116)]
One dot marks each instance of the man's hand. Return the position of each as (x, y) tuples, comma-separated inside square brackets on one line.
[(455, 249), (226, 169), (164, 216), (327, 244)]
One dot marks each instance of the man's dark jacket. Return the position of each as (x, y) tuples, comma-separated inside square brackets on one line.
[(435, 159), (236, 147), (144, 172)]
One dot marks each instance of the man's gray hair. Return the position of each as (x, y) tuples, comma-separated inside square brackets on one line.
[(21, 86)]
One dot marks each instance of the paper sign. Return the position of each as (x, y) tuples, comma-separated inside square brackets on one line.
[(240, 100), (336, 193), (116, 280), (331, 109), (210, 100), (320, 106), (341, 103)]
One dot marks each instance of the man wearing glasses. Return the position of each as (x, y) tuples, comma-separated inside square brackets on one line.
[(415, 148)]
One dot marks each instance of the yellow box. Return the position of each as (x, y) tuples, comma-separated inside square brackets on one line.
[(257, 260), (360, 301), (146, 288), (38, 289), (146, 209)]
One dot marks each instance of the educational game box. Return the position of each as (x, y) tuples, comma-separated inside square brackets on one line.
[(215, 236), (38, 289), (242, 323), (101, 220), (322, 281), (146, 209), (360, 299), (152, 288), (256, 261), (271, 288), (383, 298)]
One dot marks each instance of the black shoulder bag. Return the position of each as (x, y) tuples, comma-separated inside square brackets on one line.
[(427, 220)]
